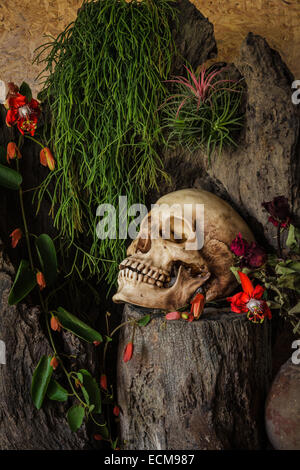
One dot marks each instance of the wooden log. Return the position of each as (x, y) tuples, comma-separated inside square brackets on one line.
[(199, 385)]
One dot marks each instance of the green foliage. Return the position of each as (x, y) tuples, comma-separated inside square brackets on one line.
[(75, 417), (56, 392), (144, 320), (23, 284), (40, 381), (47, 256), (78, 327), (104, 82), (25, 90), (9, 178), (204, 112), (90, 385)]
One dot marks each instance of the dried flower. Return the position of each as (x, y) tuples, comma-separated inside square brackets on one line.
[(279, 211), (12, 152), (252, 255), (128, 352), (103, 381), (54, 362), (239, 246), (40, 280), (16, 235), (47, 159)]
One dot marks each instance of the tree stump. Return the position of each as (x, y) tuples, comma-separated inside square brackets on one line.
[(199, 385)]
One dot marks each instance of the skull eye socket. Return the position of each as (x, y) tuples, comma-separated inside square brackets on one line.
[(174, 230)]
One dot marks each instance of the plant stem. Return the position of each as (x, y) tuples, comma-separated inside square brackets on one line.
[(34, 140), (279, 241), (25, 222)]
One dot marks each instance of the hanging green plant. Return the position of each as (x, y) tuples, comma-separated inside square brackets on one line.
[(204, 111), (104, 80)]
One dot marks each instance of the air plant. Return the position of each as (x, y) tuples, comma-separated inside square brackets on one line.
[(205, 111)]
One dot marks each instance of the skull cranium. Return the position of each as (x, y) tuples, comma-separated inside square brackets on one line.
[(163, 272)]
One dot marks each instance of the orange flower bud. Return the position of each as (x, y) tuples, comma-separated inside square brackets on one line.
[(96, 343), (98, 437), (185, 316), (12, 152), (128, 352), (197, 305), (173, 316), (47, 159), (103, 381), (40, 280), (55, 324), (54, 362), (16, 235), (116, 410)]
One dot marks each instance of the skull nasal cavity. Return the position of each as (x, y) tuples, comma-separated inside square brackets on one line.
[(144, 244)]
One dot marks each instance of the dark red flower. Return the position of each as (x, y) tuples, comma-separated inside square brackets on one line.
[(279, 211), (128, 352), (239, 246), (116, 410), (22, 113), (249, 301), (255, 256)]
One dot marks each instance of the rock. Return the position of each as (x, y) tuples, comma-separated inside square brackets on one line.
[(283, 408)]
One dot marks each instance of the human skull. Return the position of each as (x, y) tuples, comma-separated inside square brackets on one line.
[(164, 272)]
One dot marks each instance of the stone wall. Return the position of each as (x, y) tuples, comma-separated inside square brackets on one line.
[(23, 24)]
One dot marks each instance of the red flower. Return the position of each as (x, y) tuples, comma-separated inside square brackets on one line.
[(96, 343), (16, 235), (55, 324), (47, 159), (103, 381), (116, 410), (279, 211), (252, 255), (239, 246), (128, 352), (173, 316), (12, 152), (54, 362), (255, 256), (249, 301), (40, 280), (20, 112), (197, 305)]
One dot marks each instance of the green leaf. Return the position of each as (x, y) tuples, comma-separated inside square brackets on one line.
[(47, 256), (75, 417), (80, 377), (145, 320), (78, 327), (25, 90), (85, 394), (56, 392), (92, 389), (40, 381), (25, 281), (295, 309), (9, 178), (291, 281)]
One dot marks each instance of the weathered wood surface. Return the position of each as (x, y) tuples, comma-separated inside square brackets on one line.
[(199, 385), (22, 426)]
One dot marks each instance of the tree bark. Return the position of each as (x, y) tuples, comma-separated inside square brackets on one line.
[(199, 385)]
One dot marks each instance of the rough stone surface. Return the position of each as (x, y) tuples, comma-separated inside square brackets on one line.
[(199, 385), (283, 408)]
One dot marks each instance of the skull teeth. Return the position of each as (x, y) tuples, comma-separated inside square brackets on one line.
[(134, 270)]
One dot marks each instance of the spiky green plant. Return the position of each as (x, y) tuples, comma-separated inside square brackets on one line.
[(104, 79), (204, 111)]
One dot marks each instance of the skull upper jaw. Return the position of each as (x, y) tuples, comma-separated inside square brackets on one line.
[(168, 298)]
